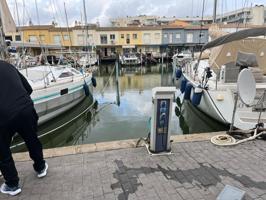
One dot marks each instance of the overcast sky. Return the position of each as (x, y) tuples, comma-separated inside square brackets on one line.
[(103, 10)]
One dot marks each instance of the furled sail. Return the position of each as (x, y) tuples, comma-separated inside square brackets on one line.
[(7, 20), (254, 32)]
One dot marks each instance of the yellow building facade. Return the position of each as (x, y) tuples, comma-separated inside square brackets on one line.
[(44, 35)]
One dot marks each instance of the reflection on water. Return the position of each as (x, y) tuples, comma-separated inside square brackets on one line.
[(198, 121), (130, 119), (127, 121)]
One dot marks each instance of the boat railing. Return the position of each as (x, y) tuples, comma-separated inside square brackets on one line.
[(59, 82)]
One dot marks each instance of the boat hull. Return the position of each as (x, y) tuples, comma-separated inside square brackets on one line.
[(219, 105), (52, 108), (56, 102)]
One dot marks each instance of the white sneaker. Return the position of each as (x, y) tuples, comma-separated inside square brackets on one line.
[(43, 173), (5, 189)]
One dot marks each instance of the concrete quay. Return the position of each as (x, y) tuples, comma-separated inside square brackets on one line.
[(197, 170)]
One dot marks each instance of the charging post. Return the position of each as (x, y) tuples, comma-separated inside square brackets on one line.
[(162, 98)]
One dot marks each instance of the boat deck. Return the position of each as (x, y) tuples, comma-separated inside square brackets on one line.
[(197, 170)]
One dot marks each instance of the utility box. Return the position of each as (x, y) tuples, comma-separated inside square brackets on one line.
[(162, 98)]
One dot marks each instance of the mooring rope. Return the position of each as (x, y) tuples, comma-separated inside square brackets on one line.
[(227, 140), (59, 127)]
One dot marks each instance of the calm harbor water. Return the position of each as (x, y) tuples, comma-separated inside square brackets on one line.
[(127, 121)]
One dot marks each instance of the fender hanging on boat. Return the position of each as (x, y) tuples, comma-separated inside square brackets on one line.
[(178, 73), (188, 89), (86, 89), (183, 85), (197, 96), (93, 81)]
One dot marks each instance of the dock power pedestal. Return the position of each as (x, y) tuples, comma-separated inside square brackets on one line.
[(162, 98)]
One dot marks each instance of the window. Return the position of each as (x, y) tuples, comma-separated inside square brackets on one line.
[(66, 37), (178, 36), (90, 39), (103, 39), (112, 37), (190, 38), (165, 35), (128, 39), (42, 38), (57, 39), (66, 74), (32, 38), (9, 37), (135, 36), (157, 36), (171, 38), (201, 35), (18, 38), (122, 36), (112, 50), (147, 38), (81, 39)]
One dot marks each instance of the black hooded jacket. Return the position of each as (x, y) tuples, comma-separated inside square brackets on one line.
[(14, 92)]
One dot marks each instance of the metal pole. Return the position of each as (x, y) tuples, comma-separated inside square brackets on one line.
[(234, 113), (86, 25), (214, 11), (117, 80), (67, 28), (174, 69), (16, 4), (262, 101)]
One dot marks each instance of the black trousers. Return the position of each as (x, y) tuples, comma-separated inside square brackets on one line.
[(25, 124)]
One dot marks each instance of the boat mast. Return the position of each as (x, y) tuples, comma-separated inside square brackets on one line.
[(68, 28), (214, 11), (2, 39), (86, 24)]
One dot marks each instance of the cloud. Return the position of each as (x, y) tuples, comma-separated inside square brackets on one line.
[(103, 10)]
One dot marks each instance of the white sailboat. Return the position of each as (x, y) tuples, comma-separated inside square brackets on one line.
[(211, 84), (87, 59), (129, 59), (56, 89)]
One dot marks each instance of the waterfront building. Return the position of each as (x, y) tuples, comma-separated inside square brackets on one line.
[(117, 39), (141, 20), (151, 41), (43, 35), (108, 41), (79, 37), (176, 39), (35, 37), (254, 15)]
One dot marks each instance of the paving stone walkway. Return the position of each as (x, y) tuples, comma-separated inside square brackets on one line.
[(196, 171)]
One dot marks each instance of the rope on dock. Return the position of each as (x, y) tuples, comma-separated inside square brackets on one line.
[(227, 140), (59, 127)]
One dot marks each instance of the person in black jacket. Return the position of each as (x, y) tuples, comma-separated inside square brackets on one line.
[(17, 115)]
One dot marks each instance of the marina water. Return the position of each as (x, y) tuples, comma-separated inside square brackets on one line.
[(129, 120)]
